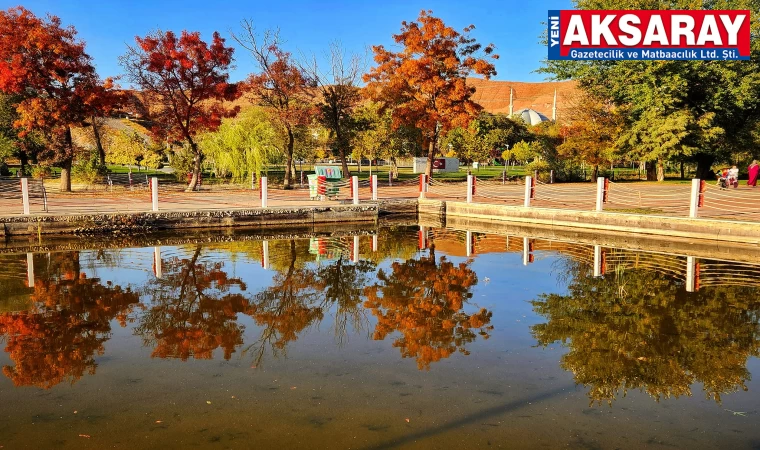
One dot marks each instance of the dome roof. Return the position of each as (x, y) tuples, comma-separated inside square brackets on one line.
[(530, 116)]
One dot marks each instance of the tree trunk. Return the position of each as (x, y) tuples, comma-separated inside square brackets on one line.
[(24, 161), (66, 174), (683, 175), (197, 160), (359, 164), (289, 160), (394, 169), (704, 166), (98, 143), (660, 170), (651, 171), (431, 157), (595, 173), (642, 168), (66, 164), (342, 152)]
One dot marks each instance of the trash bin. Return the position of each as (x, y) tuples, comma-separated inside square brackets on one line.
[(313, 180), (331, 175)]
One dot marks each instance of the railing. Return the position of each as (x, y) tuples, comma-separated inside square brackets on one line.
[(125, 193)]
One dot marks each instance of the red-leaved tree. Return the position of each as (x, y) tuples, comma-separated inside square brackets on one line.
[(424, 82), (188, 79), (45, 64)]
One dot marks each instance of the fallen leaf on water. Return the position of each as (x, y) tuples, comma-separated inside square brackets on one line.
[(407, 420), (208, 402), (159, 421), (85, 436), (233, 396), (292, 388)]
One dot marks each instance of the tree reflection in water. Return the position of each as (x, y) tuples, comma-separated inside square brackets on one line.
[(68, 322), (192, 310), (637, 329), (424, 301), (300, 295)]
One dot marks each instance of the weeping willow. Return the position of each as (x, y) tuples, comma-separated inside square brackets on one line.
[(243, 145)]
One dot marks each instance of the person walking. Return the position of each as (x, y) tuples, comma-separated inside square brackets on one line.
[(754, 171)]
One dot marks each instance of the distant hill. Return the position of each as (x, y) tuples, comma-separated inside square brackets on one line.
[(493, 96)]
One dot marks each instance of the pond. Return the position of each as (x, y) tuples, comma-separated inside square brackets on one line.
[(407, 338)]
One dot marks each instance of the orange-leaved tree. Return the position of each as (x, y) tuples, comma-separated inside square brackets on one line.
[(44, 62), (425, 82), (280, 86), (188, 79), (424, 300)]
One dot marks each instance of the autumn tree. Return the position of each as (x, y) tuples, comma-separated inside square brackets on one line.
[(44, 63), (591, 132), (279, 86), (425, 82), (188, 79), (424, 299), (337, 95)]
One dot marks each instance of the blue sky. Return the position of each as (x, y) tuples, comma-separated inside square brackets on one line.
[(307, 26)]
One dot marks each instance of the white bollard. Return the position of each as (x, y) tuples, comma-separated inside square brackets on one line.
[(691, 274), (154, 192), (30, 270), (373, 181), (25, 195), (265, 255), (696, 184), (356, 250), (528, 187), (597, 261), (423, 238), (264, 194), (355, 188), (526, 251), (158, 271), (469, 244), (469, 189), (374, 243), (390, 178), (600, 193)]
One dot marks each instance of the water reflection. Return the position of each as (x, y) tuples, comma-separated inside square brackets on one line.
[(628, 319), (192, 310), (632, 327), (423, 299), (69, 318)]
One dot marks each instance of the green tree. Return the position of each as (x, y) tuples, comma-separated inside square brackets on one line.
[(245, 144), (702, 110), (634, 328)]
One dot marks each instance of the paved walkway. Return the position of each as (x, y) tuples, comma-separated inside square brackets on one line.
[(641, 198)]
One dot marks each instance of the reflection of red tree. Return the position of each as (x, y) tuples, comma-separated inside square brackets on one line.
[(193, 312), (424, 302), (70, 322)]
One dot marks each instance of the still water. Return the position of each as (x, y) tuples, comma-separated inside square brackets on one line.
[(441, 339)]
